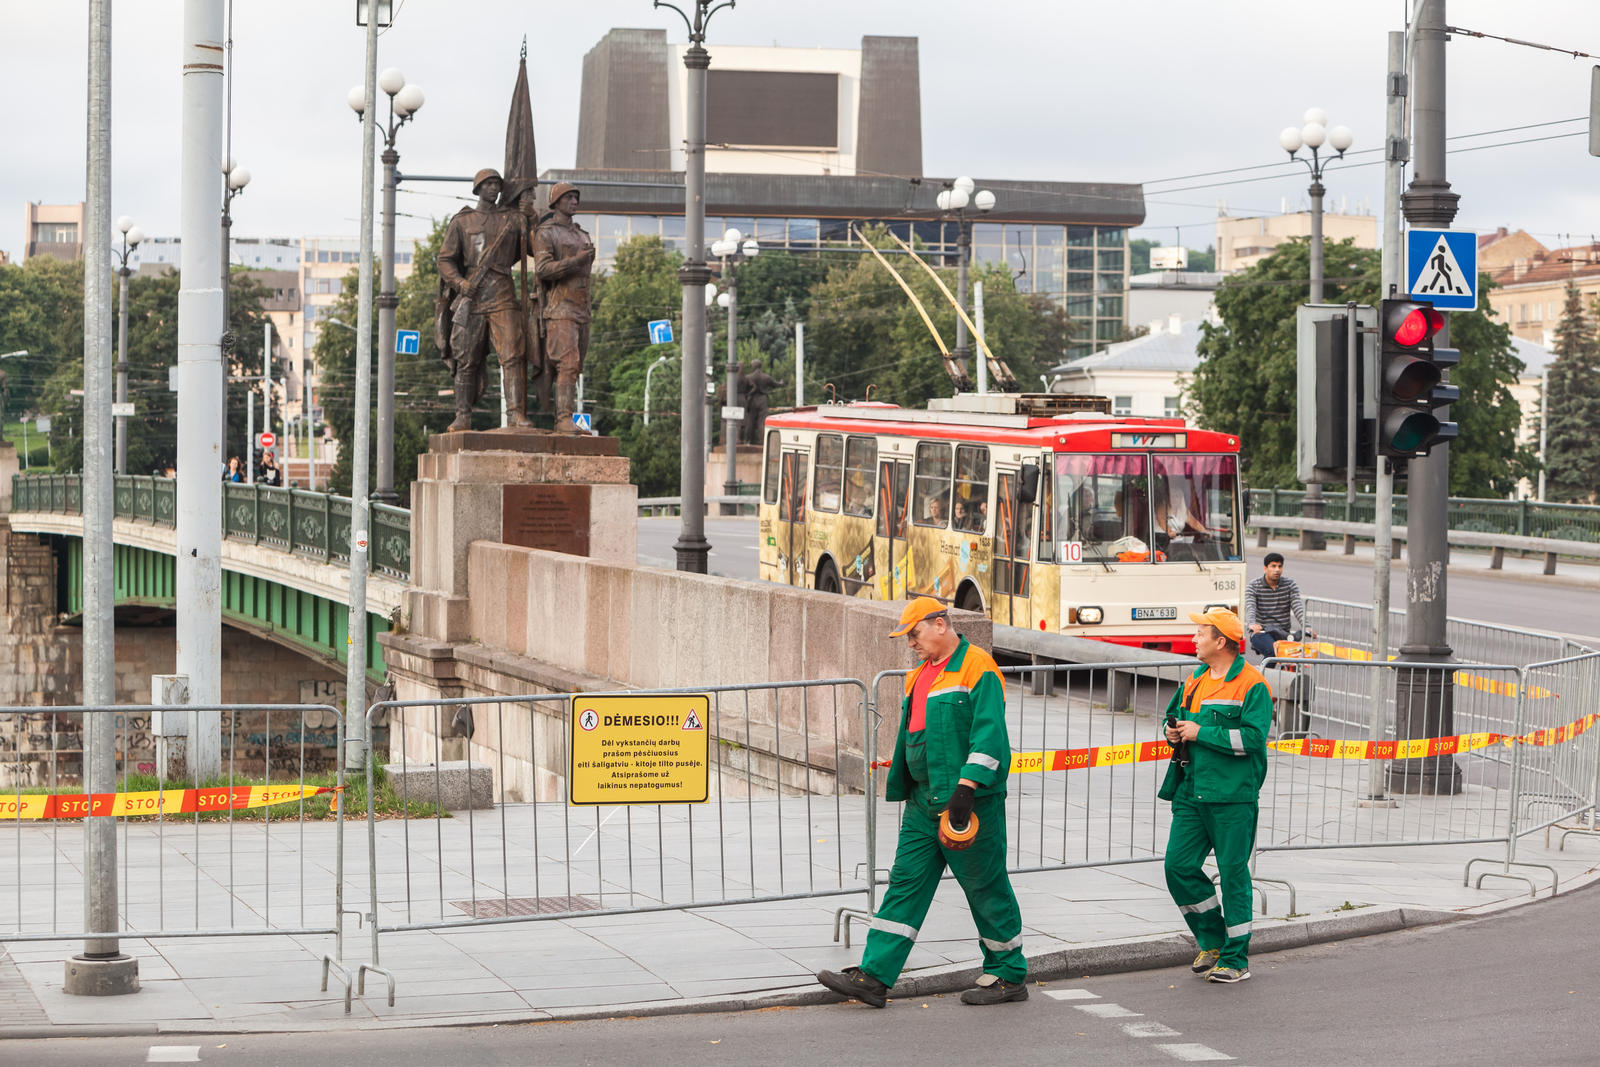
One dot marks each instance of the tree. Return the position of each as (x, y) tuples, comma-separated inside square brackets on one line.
[(41, 313), (1572, 437), (1246, 383)]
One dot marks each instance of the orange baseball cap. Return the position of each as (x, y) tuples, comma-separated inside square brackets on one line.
[(1224, 620), (923, 607)]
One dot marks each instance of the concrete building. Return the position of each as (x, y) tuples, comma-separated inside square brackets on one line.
[(805, 143), (53, 230), (1502, 249), (1244, 242), (1531, 291), (1145, 376)]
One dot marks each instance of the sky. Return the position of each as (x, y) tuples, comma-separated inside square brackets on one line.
[(1063, 90)]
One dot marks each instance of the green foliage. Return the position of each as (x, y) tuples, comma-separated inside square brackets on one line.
[(41, 312), (1246, 381), (1572, 444)]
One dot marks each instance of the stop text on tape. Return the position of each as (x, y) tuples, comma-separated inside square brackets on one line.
[(153, 802)]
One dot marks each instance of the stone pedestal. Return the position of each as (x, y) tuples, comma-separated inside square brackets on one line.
[(747, 464), (563, 492), (10, 465)]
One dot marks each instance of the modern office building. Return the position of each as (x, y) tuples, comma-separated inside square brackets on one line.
[(805, 144)]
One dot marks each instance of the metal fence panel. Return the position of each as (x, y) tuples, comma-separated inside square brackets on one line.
[(179, 875)]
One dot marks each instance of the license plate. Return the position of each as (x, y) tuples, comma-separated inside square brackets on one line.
[(1154, 613)]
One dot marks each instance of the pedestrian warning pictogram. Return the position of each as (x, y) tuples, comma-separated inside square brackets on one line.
[(631, 749), (1442, 268), (692, 721)]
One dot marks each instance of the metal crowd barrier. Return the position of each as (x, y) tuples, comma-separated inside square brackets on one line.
[(788, 765), (179, 875)]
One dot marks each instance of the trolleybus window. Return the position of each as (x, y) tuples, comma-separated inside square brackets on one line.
[(769, 478), (1102, 508), (970, 511), (860, 474), (930, 497), (829, 475), (1193, 506)]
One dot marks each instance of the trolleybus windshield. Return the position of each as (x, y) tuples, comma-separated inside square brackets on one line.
[(1138, 508)]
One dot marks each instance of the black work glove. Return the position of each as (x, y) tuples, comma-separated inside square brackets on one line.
[(960, 807)]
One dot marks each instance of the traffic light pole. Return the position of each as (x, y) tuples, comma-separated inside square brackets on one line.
[(1425, 698)]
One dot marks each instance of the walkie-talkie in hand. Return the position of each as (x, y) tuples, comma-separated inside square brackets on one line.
[(1180, 751)]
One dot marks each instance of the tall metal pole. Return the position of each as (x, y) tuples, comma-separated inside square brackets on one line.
[(1311, 506), (708, 422), (102, 968), (691, 548), (266, 376), (1425, 701), (1395, 155), (384, 488), (249, 437), (800, 365), (977, 321), (731, 426), (964, 247), (355, 675), (1544, 422), (201, 322), (122, 360)]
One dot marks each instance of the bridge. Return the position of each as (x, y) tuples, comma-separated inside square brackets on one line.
[(285, 559)]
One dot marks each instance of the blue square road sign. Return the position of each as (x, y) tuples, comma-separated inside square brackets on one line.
[(407, 342), (660, 331), (582, 420), (1442, 267)]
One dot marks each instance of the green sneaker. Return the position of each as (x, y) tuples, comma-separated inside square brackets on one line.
[(1228, 974), (1205, 962)]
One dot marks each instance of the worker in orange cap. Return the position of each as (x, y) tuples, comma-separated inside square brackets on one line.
[(950, 763), (1219, 718)]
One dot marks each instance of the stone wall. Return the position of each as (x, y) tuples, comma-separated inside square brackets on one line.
[(545, 622)]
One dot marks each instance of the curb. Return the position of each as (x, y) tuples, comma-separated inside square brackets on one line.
[(1117, 957)]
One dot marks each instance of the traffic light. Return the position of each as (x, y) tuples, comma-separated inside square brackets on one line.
[(1410, 379)]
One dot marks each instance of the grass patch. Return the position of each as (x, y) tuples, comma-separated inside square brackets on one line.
[(387, 803)]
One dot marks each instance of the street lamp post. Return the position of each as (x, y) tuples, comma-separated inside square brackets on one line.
[(404, 102), (733, 250), (131, 238), (953, 200), (237, 178), (691, 548), (647, 373), (1313, 134)]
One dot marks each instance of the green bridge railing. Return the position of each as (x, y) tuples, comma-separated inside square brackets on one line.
[(297, 521), (1518, 518)]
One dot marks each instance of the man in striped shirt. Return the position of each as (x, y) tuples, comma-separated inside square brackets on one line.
[(1272, 604)]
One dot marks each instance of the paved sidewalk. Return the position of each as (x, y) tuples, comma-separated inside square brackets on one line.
[(1092, 920)]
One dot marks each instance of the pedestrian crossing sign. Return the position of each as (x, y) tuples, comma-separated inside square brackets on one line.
[(583, 422), (1442, 267)]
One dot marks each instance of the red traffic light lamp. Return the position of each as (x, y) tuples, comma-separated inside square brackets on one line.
[(1411, 383)]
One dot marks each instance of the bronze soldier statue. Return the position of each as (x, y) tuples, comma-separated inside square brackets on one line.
[(754, 385), (563, 258), (478, 304)]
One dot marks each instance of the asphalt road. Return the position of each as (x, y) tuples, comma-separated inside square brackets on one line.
[(1527, 600), (1511, 989)]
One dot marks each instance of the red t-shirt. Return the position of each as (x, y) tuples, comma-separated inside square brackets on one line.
[(919, 693)]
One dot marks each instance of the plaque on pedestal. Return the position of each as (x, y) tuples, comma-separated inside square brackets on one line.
[(551, 517)]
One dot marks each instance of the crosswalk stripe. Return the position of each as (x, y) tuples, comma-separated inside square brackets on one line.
[(1191, 1053), (1108, 1011), (1071, 994), (173, 1054), (1151, 1029)]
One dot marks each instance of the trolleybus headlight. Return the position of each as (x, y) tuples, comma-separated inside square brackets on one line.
[(1090, 616)]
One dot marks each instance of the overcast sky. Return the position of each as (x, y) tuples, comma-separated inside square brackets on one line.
[(1029, 89)]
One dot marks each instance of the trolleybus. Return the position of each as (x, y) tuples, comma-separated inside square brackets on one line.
[(1042, 510)]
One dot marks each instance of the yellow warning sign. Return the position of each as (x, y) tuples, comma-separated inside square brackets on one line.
[(640, 749)]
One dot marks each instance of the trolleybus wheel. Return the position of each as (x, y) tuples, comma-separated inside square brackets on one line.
[(828, 578), (968, 599)]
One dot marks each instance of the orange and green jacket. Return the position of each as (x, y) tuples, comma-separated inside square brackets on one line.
[(1228, 758), (965, 730)]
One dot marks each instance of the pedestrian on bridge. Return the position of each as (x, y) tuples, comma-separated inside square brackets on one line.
[(951, 759), (1218, 724)]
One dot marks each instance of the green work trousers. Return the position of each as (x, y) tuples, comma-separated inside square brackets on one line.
[(919, 861), (1229, 830)]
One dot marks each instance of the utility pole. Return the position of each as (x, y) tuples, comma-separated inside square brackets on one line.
[(800, 364), (200, 383), (102, 969), (355, 675), (692, 548), (1395, 153), (1425, 698)]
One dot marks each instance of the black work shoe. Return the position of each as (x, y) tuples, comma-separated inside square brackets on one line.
[(996, 992), (851, 982)]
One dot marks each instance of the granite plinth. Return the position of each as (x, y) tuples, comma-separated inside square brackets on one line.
[(508, 440)]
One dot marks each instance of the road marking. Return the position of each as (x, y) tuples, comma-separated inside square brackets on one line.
[(1193, 1053), (1149, 1030), (173, 1054), (1071, 994), (1108, 1011)]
